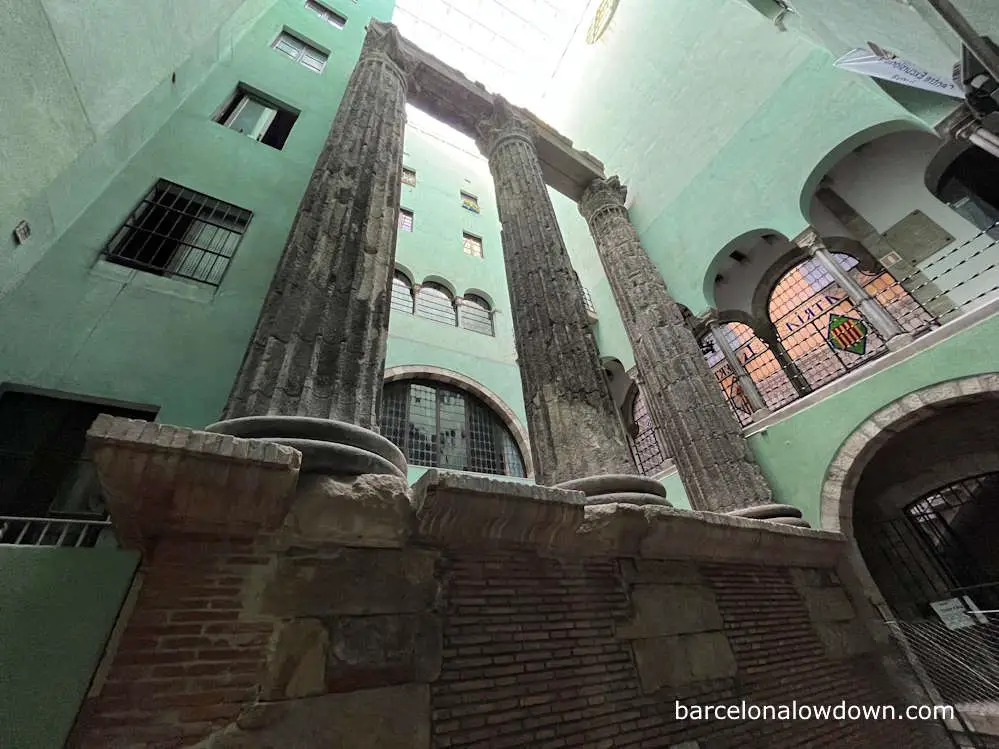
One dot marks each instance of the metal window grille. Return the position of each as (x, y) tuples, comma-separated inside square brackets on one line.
[(405, 220), (470, 202), (301, 52), (476, 315), (648, 453), (402, 294), (409, 177), (328, 15), (588, 301), (434, 303), (181, 233), (472, 245), (440, 426)]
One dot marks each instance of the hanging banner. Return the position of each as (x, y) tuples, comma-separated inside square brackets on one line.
[(878, 62)]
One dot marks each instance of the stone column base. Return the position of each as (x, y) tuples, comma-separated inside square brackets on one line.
[(614, 488)]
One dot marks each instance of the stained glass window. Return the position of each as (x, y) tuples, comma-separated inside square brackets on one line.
[(405, 220), (471, 244), (441, 426), (470, 202)]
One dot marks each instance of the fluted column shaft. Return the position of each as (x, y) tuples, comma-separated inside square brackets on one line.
[(319, 346), (715, 463), (575, 429)]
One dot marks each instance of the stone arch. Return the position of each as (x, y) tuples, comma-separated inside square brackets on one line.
[(847, 467), (845, 147), (399, 268), (724, 257), (497, 404)]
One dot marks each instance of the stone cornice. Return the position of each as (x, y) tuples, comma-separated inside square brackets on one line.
[(601, 195)]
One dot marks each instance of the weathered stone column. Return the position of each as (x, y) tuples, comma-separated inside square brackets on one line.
[(318, 351), (716, 465), (878, 316), (575, 430), (746, 382)]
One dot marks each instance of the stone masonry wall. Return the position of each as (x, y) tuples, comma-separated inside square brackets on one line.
[(548, 653)]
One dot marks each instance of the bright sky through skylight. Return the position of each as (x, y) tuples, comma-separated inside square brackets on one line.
[(512, 47)]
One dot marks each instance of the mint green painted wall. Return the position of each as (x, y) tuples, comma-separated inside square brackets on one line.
[(59, 606), (78, 324), (796, 453), (68, 131)]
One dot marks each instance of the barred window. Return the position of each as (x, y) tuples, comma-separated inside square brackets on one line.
[(469, 202), (409, 176), (471, 244), (179, 232), (476, 314), (434, 302), (649, 455), (443, 427), (405, 220), (402, 294)]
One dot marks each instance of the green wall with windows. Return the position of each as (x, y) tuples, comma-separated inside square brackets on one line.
[(59, 606), (76, 323)]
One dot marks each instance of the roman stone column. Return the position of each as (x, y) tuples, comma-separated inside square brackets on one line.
[(318, 351), (575, 430), (716, 465)]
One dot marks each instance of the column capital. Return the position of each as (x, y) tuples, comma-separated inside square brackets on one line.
[(810, 241), (504, 123), (602, 194), (384, 42), (711, 318)]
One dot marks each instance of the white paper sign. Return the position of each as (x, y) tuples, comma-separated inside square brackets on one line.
[(953, 613), (880, 63)]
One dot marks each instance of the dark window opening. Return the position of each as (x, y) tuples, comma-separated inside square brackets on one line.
[(181, 233), (257, 117), (44, 471)]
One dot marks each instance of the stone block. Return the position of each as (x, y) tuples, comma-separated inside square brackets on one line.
[(661, 572), (387, 718), (346, 581), (369, 511), (296, 665), (845, 639), (671, 609), (159, 478), (383, 650), (462, 511), (611, 530), (827, 604), (678, 660)]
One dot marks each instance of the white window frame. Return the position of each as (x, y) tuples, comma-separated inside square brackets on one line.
[(476, 241), (337, 20), (263, 123), (305, 54)]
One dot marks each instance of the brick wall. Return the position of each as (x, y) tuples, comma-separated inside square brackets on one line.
[(187, 661), (532, 658)]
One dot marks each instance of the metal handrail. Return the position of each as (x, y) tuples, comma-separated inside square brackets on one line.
[(35, 531)]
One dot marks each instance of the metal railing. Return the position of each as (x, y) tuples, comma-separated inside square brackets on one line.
[(21, 531)]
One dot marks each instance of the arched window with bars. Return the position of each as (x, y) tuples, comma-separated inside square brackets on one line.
[(402, 293), (434, 302), (437, 425), (475, 314), (650, 457)]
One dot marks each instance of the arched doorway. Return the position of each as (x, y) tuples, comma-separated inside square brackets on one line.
[(917, 488)]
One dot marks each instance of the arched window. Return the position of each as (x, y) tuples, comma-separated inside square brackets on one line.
[(650, 458), (402, 294), (440, 426), (817, 323), (476, 314), (434, 302), (760, 363)]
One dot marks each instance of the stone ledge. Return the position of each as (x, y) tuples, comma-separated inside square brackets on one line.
[(158, 477), (459, 510)]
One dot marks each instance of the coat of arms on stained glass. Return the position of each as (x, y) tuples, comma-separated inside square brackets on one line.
[(847, 334)]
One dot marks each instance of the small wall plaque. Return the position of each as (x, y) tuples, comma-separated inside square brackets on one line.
[(21, 232)]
